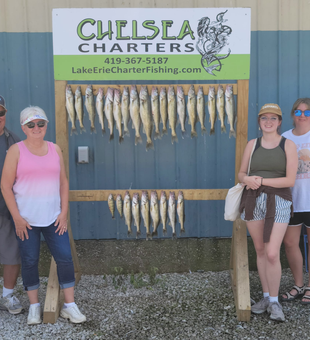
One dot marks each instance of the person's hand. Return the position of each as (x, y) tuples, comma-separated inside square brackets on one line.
[(61, 223), (252, 182), (21, 227)]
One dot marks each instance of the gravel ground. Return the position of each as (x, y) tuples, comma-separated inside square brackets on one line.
[(167, 306)]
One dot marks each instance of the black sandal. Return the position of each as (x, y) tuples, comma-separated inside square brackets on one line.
[(300, 292), (307, 289)]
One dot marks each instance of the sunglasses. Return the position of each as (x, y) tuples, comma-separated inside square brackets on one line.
[(2, 113), (40, 124), (298, 113)]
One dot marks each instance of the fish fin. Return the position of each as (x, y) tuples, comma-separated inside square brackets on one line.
[(129, 231), (203, 130), (120, 139), (126, 133), (155, 233), (193, 134), (232, 133), (212, 131), (174, 139), (165, 131), (103, 131), (149, 145), (184, 134), (223, 129), (82, 129), (111, 137), (157, 135), (93, 130), (138, 139)]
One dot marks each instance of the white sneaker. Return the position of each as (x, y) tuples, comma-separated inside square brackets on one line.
[(34, 315), (11, 304), (73, 314)]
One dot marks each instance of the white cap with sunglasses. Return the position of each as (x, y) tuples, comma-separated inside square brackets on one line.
[(31, 113)]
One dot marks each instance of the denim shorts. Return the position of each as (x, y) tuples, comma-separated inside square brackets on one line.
[(283, 209)]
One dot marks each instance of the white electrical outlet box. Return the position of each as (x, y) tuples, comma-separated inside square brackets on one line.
[(83, 154)]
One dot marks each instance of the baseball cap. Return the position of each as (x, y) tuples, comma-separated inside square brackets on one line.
[(2, 102), (31, 113), (270, 108)]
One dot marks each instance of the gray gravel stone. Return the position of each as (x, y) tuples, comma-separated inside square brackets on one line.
[(197, 305)]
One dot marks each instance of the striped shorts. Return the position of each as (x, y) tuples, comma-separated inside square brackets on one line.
[(283, 209)]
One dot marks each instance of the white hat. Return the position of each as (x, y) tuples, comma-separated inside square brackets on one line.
[(31, 113)]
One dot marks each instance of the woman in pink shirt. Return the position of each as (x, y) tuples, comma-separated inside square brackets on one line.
[(36, 191)]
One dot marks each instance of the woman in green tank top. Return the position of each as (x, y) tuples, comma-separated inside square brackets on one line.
[(267, 202)]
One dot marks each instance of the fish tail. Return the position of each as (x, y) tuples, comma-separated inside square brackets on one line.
[(149, 145), (155, 233), (174, 139), (232, 133), (129, 230), (103, 131), (212, 131), (193, 134), (111, 137), (157, 135), (138, 139), (82, 129), (223, 129), (120, 139), (126, 133), (73, 130), (165, 131), (93, 129), (203, 130)]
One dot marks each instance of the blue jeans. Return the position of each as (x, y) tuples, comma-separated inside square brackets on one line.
[(58, 245)]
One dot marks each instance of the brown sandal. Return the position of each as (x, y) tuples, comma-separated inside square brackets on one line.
[(290, 297)]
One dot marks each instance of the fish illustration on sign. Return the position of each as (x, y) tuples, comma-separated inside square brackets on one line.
[(213, 37)]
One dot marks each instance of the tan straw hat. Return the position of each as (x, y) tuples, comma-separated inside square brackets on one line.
[(270, 108)]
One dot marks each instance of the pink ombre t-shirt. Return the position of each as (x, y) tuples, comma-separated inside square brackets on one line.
[(37, 186)]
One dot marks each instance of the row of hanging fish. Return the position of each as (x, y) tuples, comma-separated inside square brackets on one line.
[(151, 110), (130, 209)]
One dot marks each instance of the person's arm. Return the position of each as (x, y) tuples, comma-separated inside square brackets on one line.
[(291, 168), (7, 181), (253, 182), (61, 221)]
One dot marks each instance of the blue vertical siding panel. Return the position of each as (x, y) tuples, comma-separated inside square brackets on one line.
[(279, 73)]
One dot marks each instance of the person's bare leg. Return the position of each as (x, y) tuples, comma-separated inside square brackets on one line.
[(33, 296), (273, 264), (256, 229), (69, 294), (10, 275), (307, 292), (294, 256)]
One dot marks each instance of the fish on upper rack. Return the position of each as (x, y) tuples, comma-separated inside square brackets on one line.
[(111, 205), (90, 107), (100, 108), (201, 109), (154, 211), (172, 113), (119, 205), (155, 111), (117, 113), (171, 211), (70, 108), (136, 211), (145, 211), (127, 211), (220, 107), (134, 109), (163, 210), (79, 107), (108, 109), (211, 108), (146, 116), (181, 109), (125, 110), (191, 109), (230, 109), (163, 109), (180, 210)]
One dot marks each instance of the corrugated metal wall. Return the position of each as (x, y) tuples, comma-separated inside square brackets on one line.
[(280, 43)]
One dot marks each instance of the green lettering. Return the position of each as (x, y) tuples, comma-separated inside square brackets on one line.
[(100, 34), (147, 24), (80, 27), (185, 29), (119, 25), (135, 32), (166, 24)]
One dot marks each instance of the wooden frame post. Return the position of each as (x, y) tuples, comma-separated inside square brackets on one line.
[(53, 298), (239, 263)]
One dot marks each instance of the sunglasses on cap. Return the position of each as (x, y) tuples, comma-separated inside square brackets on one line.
[(40, 124), (2, 113), (299, 113)]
